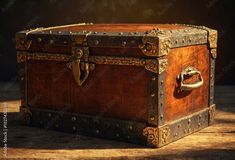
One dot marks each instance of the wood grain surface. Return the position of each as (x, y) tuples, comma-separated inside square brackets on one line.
[(182, 103), (52, 86), (214, 142)]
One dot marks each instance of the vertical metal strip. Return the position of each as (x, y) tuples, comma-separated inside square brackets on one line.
[(212, 80), (26, 83), (153, 95), (157, 94), (161, 99)]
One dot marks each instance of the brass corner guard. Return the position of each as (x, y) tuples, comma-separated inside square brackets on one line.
[(152, 135), (159, 136), (155, 43), (26, 114)]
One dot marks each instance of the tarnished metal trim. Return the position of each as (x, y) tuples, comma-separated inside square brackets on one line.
[(160, 136), (212, 81), (154, 42), (161, 98), (152, 135), (187, 37), (58, 38), (212, 37), (151, 65), (157, 95), (25, 38), (213, 52), (129, 131), (115, 39), (152, 104), (162, 63), (158, 42), (212, 114), (26, 114), (93, 39), (23, 56), (22, 43)]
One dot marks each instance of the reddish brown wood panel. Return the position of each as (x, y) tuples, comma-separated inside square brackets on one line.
[(110, 91), (117, 27), (179, 104)]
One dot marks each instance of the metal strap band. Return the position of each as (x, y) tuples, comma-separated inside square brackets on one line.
[(149, 64)]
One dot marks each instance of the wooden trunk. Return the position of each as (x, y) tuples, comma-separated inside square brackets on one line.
[(146, 84)]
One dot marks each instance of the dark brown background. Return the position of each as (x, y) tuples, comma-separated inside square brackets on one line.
[(18, 15)]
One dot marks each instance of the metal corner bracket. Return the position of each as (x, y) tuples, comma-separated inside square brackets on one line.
[(212, 109), (155, 43), (26, 114), (160, 136)]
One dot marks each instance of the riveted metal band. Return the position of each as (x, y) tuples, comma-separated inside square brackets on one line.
[(156, 95), (212, 36), (152, 104), (129, 131), (153, 43), (25, 38), (160, 136), (158, 42), (212, 81), (161, 91)]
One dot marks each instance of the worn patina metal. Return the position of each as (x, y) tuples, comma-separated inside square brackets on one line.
[(129, 131), (212, 37), (162, 135), (151, 65), (212, 81)]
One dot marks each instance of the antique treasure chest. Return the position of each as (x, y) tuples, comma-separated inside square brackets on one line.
[(146, 84)]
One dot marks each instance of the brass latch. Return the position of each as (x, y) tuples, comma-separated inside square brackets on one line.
[(79, 64)]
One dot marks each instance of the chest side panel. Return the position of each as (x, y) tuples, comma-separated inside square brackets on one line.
[(110, 91), (181, 103)]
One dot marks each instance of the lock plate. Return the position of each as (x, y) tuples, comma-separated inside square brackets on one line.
[(79, 64)]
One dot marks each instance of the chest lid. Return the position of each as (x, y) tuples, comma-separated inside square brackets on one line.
[(145, 40)]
